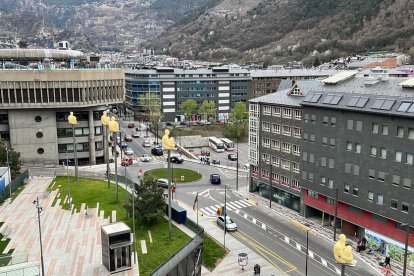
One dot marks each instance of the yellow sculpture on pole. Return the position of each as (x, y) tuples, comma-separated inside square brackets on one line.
[(105, 119), (168, 142), (113, 125), (343, 252), (72, 119)]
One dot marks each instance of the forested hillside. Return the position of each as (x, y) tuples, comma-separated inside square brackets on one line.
[(279, 30)]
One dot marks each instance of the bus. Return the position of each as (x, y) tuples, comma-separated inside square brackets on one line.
[(228, 144), (216, 144)]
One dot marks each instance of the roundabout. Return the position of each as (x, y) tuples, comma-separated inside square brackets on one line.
[(178, 175)]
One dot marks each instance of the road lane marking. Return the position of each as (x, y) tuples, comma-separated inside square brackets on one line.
[(298, 247), (324, 262), (301, 226)]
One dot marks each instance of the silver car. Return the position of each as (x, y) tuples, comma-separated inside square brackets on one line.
[(145, 158), (230, 224), (129, 151)]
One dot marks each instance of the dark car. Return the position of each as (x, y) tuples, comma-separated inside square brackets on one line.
[(232, 157), (176, 160), (123, 145), (157, 151), (131, 125), (168, 124), (215, 179), (184, 123)]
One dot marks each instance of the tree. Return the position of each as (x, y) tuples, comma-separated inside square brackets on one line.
[(14, 159), (316, 63), (208, 108), (151, 105), (149, 202), (238, 116), (239, 112), (188, 107)]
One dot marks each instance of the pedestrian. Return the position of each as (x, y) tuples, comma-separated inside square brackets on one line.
[(386, 262)]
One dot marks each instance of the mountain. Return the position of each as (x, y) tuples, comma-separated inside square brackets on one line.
[(272, 31), (91, 24)]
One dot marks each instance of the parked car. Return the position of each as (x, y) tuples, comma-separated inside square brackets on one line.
[(157, 151), (163, 182), (176, 160), (145, 158), (219, 122), (168, 124), (215, 179), (123, 145), (128, 138), (146, 143), (184, 123), (135, 134), (131, 125), (232, 157), (230, 224), (129, 151), (127, 162)]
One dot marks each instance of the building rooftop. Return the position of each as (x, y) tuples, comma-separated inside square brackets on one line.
[(39, 54), (3, 170), (114, 228), (294, 73)]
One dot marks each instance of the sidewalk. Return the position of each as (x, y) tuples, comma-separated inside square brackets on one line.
[(371, 260)]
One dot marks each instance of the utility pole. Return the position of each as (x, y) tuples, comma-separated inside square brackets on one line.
[(336, 213), (237, 164), (39, 210), (8, 167), (307, 251), (169, 194), (225, 215), (67, 172)]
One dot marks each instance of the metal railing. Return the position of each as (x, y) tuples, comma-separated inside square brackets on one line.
[(14, 184)]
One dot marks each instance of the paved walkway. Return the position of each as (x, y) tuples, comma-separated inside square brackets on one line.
[(71, 242)]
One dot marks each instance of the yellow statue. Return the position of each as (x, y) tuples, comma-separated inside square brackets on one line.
[(72, 119), (168, 142), (105, 119), (113, 125), (342, 252)]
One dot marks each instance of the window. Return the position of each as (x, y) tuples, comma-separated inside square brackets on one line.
[(313, 118), (312, 137), (287, 113), (295, 184), (384, 130), (305, 156), (296, 132), (99, 145), (285, 164), (350, 124), (305, 136), (370, 196), (325, 120), (332, 142), (411, 134), (346, 188), (333, 122), (409, 159), (394, 204), (331, 163), (276, 128), (275, 144), (381, 176), (310, 177), (266, 110), (306, 119), (355, 191), (276, 161), (374, 128), (357, 148), (286, 130), (286, 147), (265, 173), (40, 151), (371, 174), (400, 132), (265, 157), (38, 119), (358, 126), (404, 207), (323, 180), (330, 183), (312, 194), (298, 114), (356, 170), (265, 126), (266, 142), (330, 200), (396, 180), (323, 161), (383, 153), (296, 149), (398, 156), (98, 130), (311, 158), (407, 183), (295, 167), (348, 168), (373, 151), (325, 141), (39, 134), (277, 111), (349, 146), (285, 180)]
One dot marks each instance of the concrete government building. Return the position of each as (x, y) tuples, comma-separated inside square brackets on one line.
[(35, 104)]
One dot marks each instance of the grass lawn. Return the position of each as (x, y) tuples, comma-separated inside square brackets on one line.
[(189, 175), (213, 252), (91, 191)]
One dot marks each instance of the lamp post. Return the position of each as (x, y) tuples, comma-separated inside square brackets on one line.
[(168, 144), (8, 169), (114, 128), (269, 162), (336, 214), (67, 173), (39, 210), (307, 251), (225, 215), (72, 121), (237, 163), (105, 122), (407, 232)]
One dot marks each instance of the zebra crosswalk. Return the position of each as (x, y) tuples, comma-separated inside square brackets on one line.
[(211, 211)]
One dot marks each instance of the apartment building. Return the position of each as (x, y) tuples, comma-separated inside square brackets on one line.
[(173, 86)]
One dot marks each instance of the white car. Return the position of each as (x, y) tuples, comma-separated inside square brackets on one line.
[(135, 134), (230, 224), (145, 158), (129, 151), (146, 143)]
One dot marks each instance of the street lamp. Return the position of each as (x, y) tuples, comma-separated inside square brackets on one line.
[(307, 251), (269, 162), (39, 210), (105, 122), (407, 232), (8, 169), (67, 172), (114, 128), (72, 121), (168, 144)]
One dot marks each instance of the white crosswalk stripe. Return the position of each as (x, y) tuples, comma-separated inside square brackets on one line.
[(231, 206)]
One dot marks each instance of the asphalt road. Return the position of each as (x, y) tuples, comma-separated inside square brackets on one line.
[(275, 238)]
